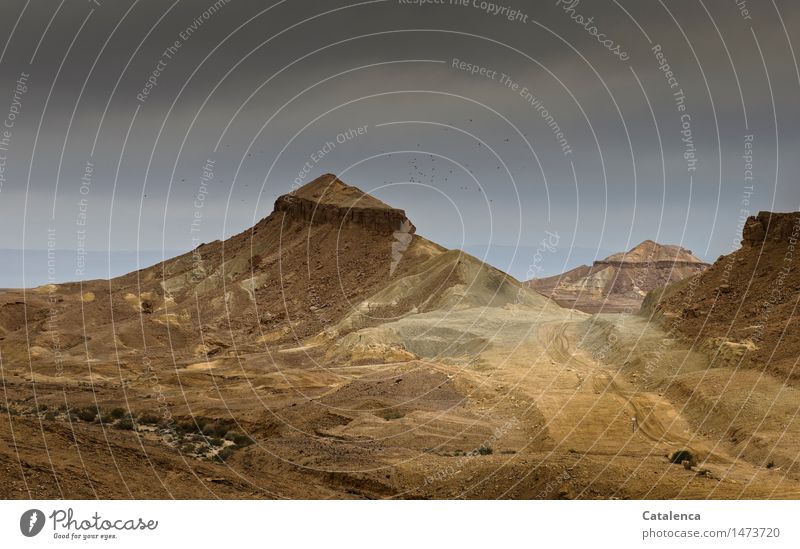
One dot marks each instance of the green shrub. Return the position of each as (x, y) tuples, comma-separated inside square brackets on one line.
[(148, 418), (389, 415), (239, 439), (117, 413), (87, 414), (484, 450), (679, 456), (215, 430), (124, 425)]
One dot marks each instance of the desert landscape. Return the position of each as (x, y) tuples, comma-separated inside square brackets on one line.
[(331, 352)]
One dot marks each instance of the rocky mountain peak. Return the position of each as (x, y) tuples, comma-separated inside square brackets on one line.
[(327, 199), (653, 252)]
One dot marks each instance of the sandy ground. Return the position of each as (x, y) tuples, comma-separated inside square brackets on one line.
[(542, 403)]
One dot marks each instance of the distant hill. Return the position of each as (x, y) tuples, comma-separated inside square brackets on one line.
[(620, 281)]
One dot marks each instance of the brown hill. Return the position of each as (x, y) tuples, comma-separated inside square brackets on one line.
[(744, 306), (329, 259), (619, 282), (325, 248), (266, 338)]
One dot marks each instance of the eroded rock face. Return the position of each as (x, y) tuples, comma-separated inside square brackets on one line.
[(770, 226), (383, 220), (328, 200)]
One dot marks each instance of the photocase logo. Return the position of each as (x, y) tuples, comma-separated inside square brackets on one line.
[(31, 522)]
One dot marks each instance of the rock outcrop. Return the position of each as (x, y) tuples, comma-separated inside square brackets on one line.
[(769, 226), (328, 200)]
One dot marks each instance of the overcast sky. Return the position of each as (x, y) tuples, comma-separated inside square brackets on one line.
[(586, 136)]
